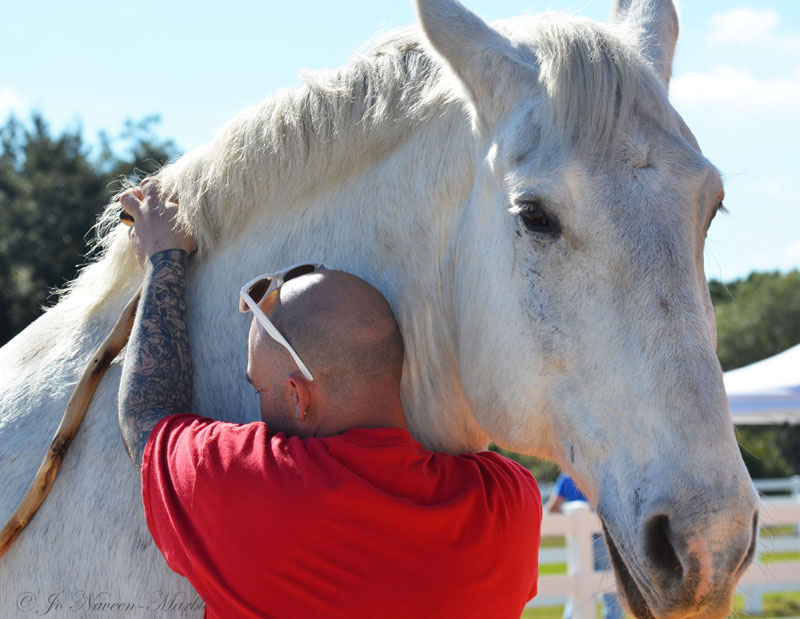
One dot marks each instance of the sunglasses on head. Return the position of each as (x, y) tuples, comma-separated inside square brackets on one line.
[(256, 290)]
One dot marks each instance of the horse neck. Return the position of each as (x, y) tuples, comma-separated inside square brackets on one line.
[(391, 220)]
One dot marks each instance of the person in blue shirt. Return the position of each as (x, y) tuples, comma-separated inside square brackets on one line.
[(565, 491)]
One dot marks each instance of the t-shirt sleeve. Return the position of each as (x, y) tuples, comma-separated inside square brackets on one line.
[(517, 501), (169, 468), (187, 460)]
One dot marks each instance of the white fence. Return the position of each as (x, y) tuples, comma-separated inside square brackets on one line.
[(582, 584), (785, 486)]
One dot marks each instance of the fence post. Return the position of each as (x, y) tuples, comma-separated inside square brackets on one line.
[(580, 559), (795, 487)]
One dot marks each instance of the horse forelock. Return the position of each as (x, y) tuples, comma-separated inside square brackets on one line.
[(591, 75)]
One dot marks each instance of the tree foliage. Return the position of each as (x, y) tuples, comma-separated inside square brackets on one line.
[(51, 191), (758, 317)]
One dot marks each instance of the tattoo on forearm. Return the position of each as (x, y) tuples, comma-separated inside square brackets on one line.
[(157, 373)]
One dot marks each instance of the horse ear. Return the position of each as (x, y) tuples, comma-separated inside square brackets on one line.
[(657, 24), (480, 56)]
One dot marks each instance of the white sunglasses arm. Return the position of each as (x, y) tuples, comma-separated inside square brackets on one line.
[(276, 335)]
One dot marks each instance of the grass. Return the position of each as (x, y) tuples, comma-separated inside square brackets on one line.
[(785, 529), (774, 557), (543, 612), (775, 605), (553, 541), (552, 569)]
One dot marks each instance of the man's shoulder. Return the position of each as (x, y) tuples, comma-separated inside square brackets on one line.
[(195, 440), (504, 475), (493, 458), (193, 422)]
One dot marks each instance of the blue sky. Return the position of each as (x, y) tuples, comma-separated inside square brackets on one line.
[(94, 64)]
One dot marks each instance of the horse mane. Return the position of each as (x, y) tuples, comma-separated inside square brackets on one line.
[(297, 140), (283, 148)]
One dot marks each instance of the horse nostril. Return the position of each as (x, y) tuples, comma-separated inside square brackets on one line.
[(659, 549)]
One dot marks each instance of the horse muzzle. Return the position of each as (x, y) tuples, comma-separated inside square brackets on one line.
[(683, 565)]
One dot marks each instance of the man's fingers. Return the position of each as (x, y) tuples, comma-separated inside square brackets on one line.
[(136, 192), (129, 200), (130, 207), (137, 246), (150, 187)]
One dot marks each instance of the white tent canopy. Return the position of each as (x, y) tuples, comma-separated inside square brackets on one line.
[(766, 392)]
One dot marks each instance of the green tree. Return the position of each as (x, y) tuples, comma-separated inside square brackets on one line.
[(758, 317), (51, 191), (543, 470)]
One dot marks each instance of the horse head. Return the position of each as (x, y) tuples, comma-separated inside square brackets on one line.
[(584, 327)]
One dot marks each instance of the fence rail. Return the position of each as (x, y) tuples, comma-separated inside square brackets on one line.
[(784, 486), (582, 584)]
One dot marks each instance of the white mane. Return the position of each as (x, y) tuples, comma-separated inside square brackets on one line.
[(296, 141)]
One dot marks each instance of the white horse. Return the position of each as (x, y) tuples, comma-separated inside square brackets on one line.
[(534, 210)]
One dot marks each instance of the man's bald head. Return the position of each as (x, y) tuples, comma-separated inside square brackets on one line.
[(342, 328)]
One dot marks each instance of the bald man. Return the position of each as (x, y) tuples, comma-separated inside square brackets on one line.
[(348, 332), (327, 507)]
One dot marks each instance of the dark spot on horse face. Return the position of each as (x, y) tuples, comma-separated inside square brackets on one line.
[(572, 453), (665, 305), (519, 158), (638, 500)]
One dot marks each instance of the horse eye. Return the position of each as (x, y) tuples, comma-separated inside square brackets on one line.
[(534, 216), (536, 220)]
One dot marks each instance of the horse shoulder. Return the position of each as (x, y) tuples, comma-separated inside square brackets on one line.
[(90, 534)]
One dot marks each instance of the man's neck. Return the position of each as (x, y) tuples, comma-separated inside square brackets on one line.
[(375, 414)]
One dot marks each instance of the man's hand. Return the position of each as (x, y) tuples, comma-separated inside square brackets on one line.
[(154, 227)]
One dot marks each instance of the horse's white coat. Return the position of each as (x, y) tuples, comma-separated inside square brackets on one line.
[(593, 345)]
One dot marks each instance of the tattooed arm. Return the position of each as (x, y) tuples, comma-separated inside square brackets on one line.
[(157, 373)]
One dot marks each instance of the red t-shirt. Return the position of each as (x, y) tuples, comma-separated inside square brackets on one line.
[(367, 523)]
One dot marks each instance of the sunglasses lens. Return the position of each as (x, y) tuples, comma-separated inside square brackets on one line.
[(259, 289), (303, 269)]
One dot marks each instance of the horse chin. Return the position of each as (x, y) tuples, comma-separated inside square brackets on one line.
[(625, 581)]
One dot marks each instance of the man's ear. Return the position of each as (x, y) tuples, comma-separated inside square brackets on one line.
[(300, 399)]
